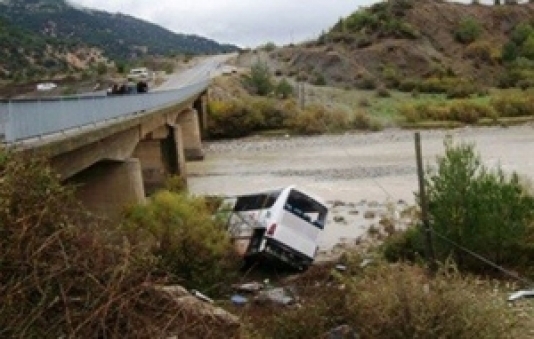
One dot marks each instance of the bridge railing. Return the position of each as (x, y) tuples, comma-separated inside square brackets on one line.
[(24, 119)]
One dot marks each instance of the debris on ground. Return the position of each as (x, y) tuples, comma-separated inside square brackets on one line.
[(249, 287), (201, 296), (278, 295), (521, 294), (341, 332), (238, 299)]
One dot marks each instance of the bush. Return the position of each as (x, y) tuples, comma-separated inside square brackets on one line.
[(317, 119), (62, 274), (483, 210), (470, 112), (188, 242), (513, 105), (231, 119), (480, 50), (382, 92), (395, 301), (404, 246), (284, 89), (468, 31), (319, 80), (399, 301), (259, 81)]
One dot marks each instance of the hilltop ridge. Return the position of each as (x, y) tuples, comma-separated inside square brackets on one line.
[(46, 36), (400, 42)]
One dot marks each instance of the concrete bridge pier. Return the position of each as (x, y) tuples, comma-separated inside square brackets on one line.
[(161, 155), (108, 186), (201, 105), (191, 134)]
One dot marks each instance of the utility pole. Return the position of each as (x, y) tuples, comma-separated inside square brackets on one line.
[(431, 257), (302, 94)]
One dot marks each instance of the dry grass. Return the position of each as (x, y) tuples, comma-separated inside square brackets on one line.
[(62, 274)]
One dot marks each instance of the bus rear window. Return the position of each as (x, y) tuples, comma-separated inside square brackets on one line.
[(306, 208)]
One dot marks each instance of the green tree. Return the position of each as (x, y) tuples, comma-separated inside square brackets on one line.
[(521, 32), (483, 210), (284, 89), (510, 51), (260, 79), (190, 244), (101, 68), (527, 49), (468, 31)]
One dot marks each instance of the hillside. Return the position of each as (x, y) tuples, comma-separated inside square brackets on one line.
[(72, 36), (426, 43)]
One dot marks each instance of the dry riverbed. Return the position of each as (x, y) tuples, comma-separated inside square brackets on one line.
[(368, 179)]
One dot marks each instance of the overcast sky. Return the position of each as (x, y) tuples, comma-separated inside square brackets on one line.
[(246, 23)]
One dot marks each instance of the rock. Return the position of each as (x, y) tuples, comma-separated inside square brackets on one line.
[(369, 214), (210, 319), (277, 295), (339, 218)]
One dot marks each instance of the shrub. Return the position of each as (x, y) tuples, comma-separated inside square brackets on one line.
[(468, 31), (259, 81), (317, 119), (480, 50), (483, 210), (404, 246), (382, 92), (521, 33), (230, 119), (367, 82), (409, 85), (62, 274), (361, 120), (284, 89), (470, 112), (395, 301), (399, 301), (514, 105), (188, 242), (319, 80)]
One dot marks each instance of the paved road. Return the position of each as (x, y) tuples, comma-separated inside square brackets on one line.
[(203, 68)]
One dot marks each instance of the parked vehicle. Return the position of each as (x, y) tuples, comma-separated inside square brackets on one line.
[(128, 88), (141, 73), (282, 224)]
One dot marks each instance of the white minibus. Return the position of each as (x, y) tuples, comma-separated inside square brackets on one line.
[(282, 224)]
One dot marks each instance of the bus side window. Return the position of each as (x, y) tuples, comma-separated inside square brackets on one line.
[(288, 207)]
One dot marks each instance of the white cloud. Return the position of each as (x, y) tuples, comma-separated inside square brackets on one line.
[(247, 23)]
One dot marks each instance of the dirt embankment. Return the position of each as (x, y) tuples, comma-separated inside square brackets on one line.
[(422, 45)]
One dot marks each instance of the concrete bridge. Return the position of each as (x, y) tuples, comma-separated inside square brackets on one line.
[(116, 149)]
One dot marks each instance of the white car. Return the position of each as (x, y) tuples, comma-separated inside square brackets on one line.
[(139, 74), (47, 86)]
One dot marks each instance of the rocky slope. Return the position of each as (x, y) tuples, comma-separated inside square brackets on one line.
[(395, 40)]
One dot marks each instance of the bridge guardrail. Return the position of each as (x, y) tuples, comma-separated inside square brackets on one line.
[(24, 119)]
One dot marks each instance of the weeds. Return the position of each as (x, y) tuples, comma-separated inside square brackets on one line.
[(62, 274)]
